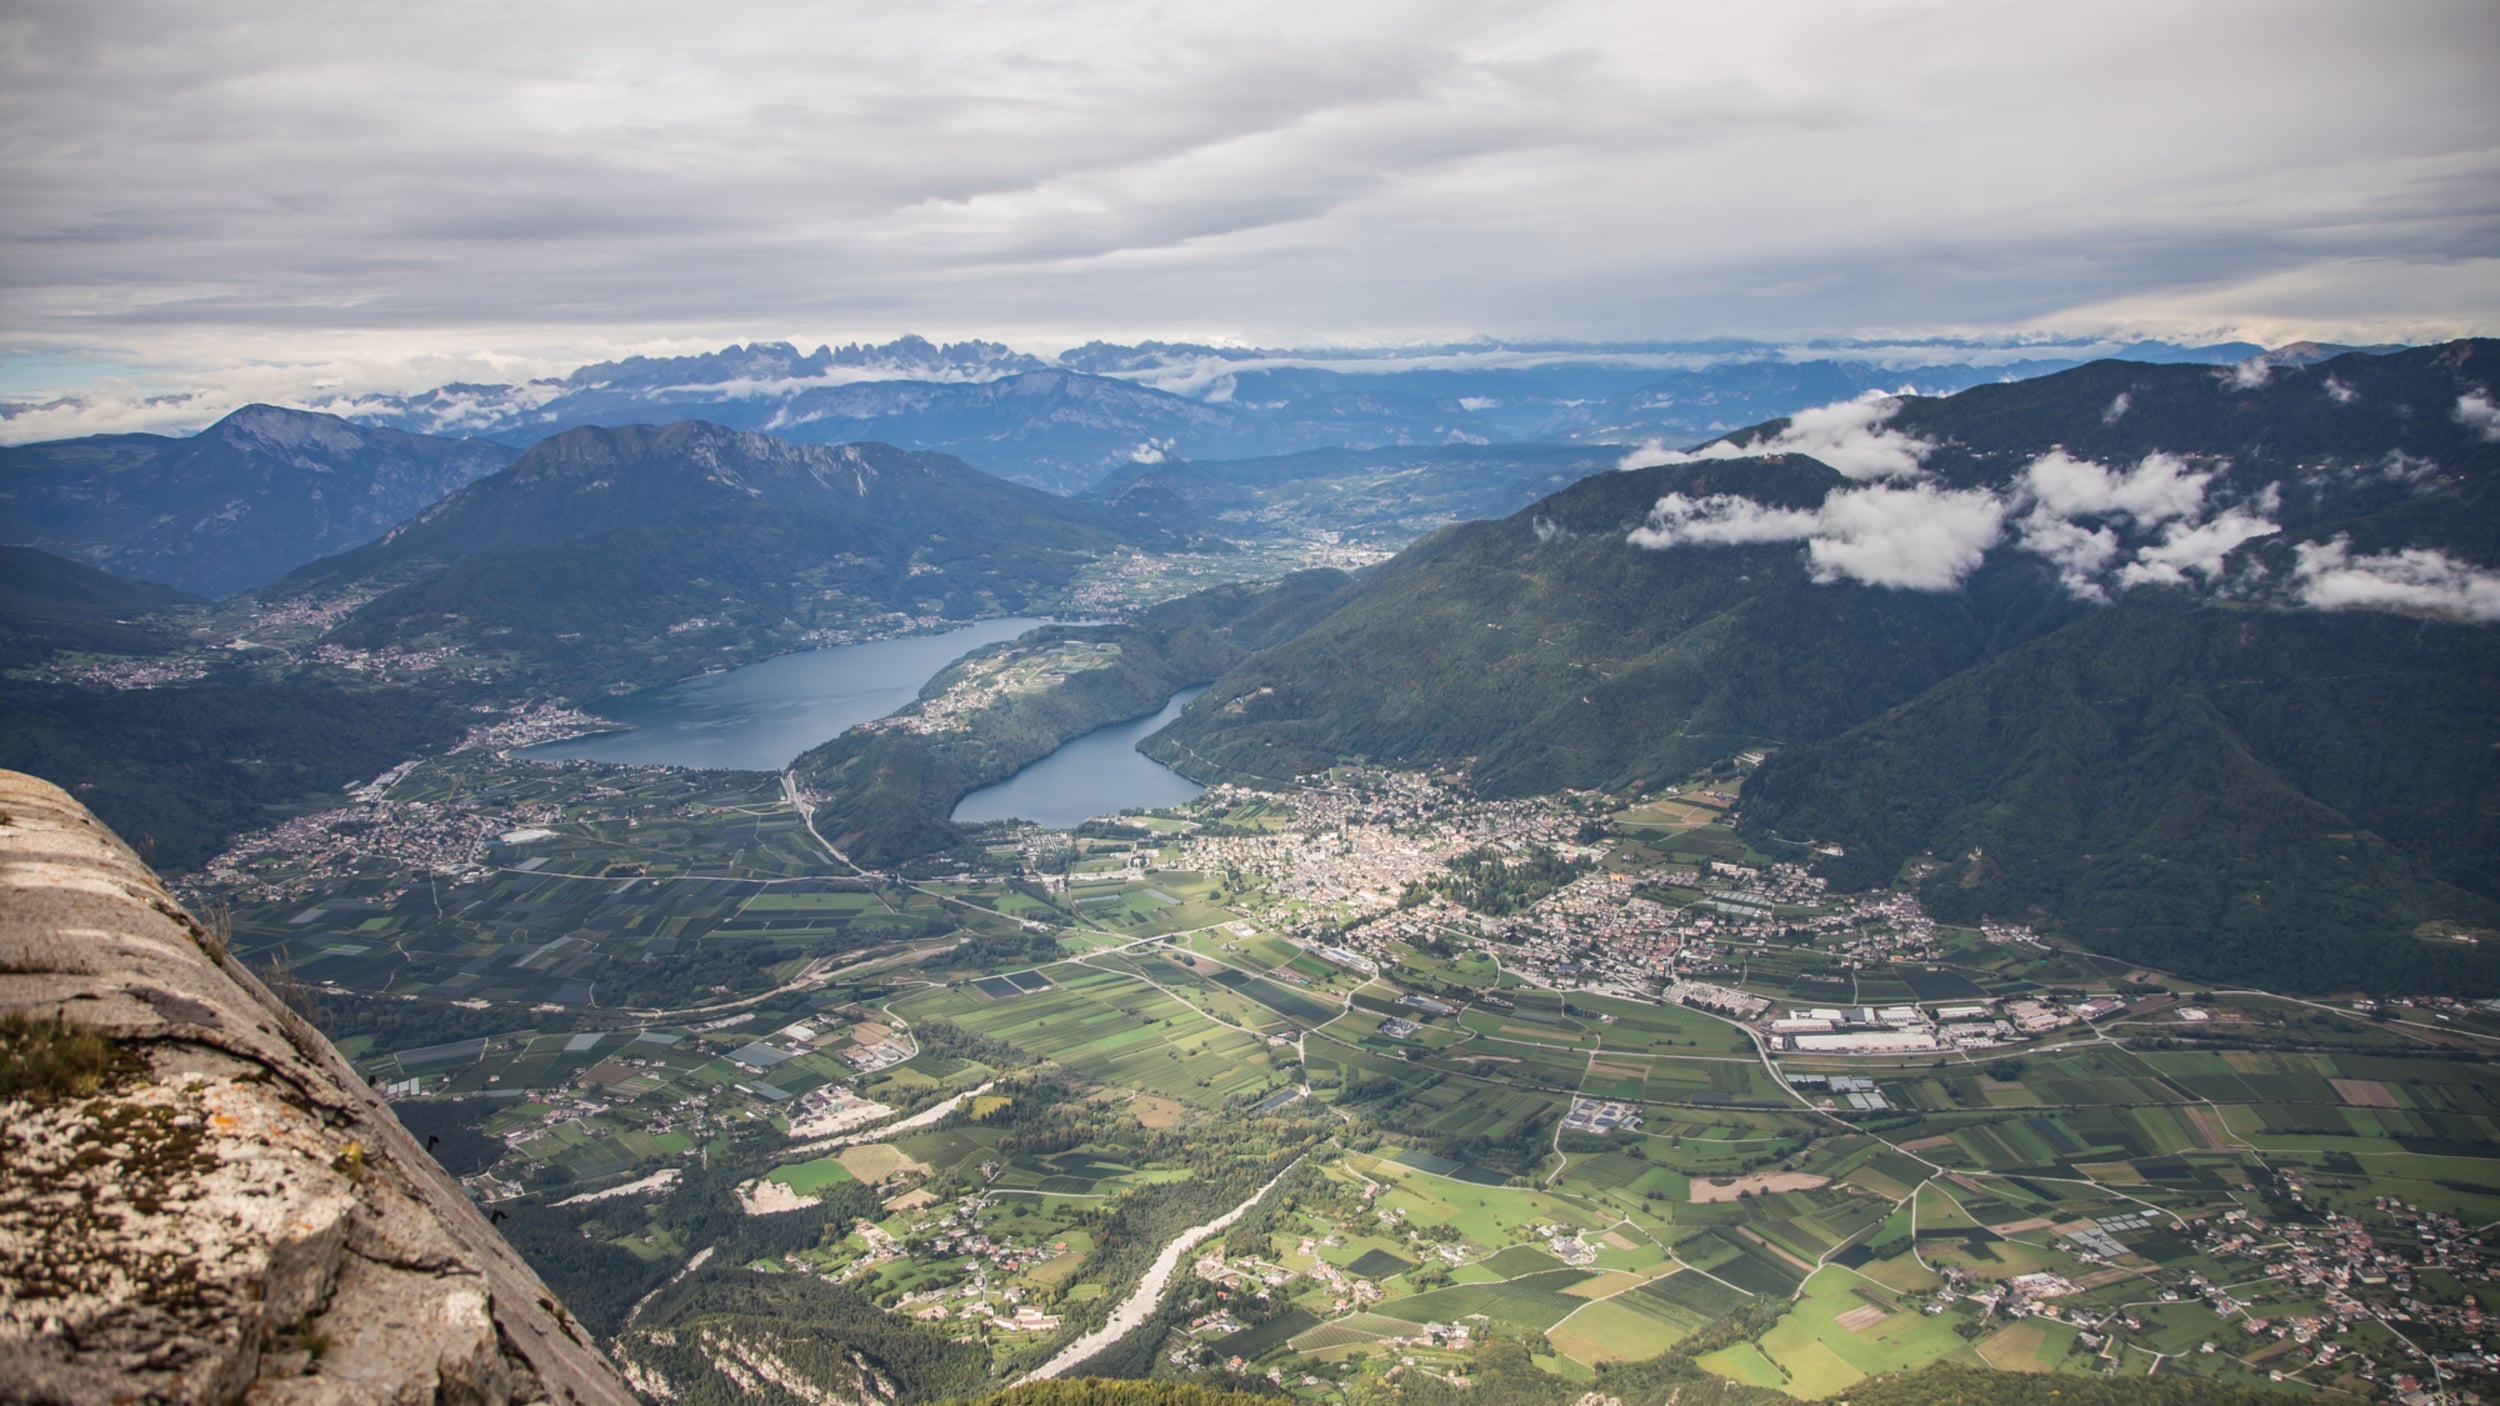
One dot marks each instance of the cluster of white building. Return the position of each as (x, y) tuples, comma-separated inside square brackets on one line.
[(1856, 1030), (1916, 1030)]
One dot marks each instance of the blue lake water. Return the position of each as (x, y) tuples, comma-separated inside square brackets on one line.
[(1101, 773), (761, 717)]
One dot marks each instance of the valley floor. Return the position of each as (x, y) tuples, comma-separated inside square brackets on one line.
[(1581, 1072)]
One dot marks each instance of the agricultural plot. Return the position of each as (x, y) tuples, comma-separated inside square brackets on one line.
[(635, 889), (1626, 1327), (808, 1178), (1846, 1328), (1303, 1010), (1533, 1303), (1527, 1066), (1122, 1031)]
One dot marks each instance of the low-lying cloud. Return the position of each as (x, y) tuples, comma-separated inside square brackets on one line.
[(2064, 492), (2476, 412), (2101, 528), (2199, 548), (2418, 579), (1918, 538), (2159, 488), (1850, 435)]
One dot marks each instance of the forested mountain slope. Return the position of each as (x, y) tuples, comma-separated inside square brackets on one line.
[(235, 506), (643, 554), (2202, 663), (1541, 651)]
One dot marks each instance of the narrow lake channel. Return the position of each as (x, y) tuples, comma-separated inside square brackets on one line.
[(760, 717), (1100, 773)]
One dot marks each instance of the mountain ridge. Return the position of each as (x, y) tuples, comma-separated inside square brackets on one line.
[(1909, 597), (263, 490), (642, 554)]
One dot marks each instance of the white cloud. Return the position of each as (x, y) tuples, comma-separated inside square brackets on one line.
[(2476, 412), (2156, 490), (2340, 393), (1925, 538), (2118, 407), (2080, 554), (1919, 538), (2418, 579), (1722, 519), (2249, 375), (2199, 548), (1849, 435)]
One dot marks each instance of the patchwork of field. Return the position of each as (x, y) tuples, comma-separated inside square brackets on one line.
[(698, 981), (1115, 1028), (1846, 1328)]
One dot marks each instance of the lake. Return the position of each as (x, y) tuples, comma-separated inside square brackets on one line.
[(1101, 773), (761, 717)]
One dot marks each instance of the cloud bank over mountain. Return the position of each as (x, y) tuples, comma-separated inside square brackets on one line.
[(2165, 520)]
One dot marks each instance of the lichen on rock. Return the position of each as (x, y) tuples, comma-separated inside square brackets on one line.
[(199, 1201)]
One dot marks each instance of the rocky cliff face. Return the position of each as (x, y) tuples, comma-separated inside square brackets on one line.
[(199, 1199)]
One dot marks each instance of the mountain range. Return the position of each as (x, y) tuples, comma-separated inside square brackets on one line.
[(2196, 664), (1065, 430), (1065, 422), (608, 557), (2213, 639), (265, 489), (233, 507)]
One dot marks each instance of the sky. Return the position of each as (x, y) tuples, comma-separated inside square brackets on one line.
[(283, 197)]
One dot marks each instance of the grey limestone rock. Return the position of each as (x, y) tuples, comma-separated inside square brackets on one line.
[(199, 1200)]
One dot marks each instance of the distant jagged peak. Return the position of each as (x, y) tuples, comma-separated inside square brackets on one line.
[(915, 351), (779, 367)]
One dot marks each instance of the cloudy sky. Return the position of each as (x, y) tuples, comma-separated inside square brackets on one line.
[(395, 194)]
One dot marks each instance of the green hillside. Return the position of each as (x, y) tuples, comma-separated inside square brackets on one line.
[(2248, 794), (49, 602), (888, 790), (1542, 651), (2187, 762), (639, 555)]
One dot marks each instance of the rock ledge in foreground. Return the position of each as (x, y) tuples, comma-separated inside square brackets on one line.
[(199, 1199)]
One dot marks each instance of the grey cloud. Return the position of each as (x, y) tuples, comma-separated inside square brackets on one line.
[(292, 179)]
